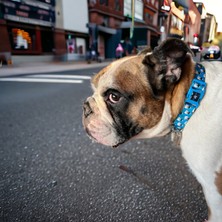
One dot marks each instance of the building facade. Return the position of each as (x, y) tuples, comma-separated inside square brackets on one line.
[(209, 28), (139, 23), (26, 27), (105, 18), (183, 20), (133, 23), (67, 29), (71, 32), (43, 30), (208, 24)]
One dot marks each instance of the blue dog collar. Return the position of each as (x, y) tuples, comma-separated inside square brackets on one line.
[(193, 99)]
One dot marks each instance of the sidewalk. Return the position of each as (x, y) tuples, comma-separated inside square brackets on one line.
[(45, 67)]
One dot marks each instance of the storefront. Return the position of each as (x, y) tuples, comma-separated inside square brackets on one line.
[(30, 39), (76, 43), (27, 26)]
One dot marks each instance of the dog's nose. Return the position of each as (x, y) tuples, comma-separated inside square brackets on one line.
[(87, 110)]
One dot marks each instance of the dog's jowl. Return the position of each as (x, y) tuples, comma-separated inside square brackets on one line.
[(164, 91)]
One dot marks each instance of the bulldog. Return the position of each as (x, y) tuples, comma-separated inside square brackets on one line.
[(159, 92)]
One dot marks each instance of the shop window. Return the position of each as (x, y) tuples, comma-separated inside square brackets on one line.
[(75, 45), (31, 41), (21, 39), (81, 45), (71, 44), (47, 41), (80, 49)]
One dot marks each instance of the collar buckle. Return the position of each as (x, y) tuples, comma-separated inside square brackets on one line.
[(196, 92)]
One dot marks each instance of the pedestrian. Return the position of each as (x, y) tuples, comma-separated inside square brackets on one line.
[(119, 51), (127, 47)]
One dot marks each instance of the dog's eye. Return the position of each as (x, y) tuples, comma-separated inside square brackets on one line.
[(114, 98)]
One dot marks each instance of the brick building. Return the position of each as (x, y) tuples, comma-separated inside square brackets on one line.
[(26, 27), (67, 29), (112, 22), (71, 33), (43, 30), (183, 19)]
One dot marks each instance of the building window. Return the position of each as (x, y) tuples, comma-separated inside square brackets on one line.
[(21, 39), (105, 21), (127, 8), (148, 18), (139, 9), (177, 26), (92, 2), (117, 5), (103, 2), (156, 5), (71, 44)]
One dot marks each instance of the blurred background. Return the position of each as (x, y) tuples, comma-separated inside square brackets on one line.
[(67, 30)]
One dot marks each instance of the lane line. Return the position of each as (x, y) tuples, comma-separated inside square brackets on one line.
[(42, 80), (60, 76)]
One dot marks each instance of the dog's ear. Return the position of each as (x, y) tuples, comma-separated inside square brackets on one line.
[(164, 64)]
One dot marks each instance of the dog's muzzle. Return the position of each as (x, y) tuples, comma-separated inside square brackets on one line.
[(98, 125)]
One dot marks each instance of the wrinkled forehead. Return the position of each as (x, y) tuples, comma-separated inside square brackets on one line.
[(122, 73)]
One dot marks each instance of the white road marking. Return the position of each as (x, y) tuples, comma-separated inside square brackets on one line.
[(42, 80), (48, 78), (60, 76)]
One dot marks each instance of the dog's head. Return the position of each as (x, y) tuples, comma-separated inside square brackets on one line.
[(130, 95)]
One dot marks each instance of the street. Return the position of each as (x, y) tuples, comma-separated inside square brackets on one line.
[(51, 171)]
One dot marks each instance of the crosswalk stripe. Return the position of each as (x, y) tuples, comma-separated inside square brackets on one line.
[(48, 78), (42, 80), (60, 76)]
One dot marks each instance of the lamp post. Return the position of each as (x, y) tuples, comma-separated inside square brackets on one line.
[(132, 23)]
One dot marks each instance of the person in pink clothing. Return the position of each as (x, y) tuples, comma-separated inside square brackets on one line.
[(119, 51)]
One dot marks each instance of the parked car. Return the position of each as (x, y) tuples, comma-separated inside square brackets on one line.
[(195, 49), (213, 52)]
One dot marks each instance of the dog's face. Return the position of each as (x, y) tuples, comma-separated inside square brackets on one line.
[(129, 98)]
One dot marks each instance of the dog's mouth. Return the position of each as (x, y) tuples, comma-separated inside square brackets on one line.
[(115, 146), (118, 144), (105, 140)]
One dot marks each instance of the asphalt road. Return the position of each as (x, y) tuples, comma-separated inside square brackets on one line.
[(51, 171)]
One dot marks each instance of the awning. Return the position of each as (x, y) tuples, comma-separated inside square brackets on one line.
[(125, 25), (107, 30), (183, 3)]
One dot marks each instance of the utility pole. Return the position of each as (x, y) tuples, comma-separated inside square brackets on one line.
[(132, 23)]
